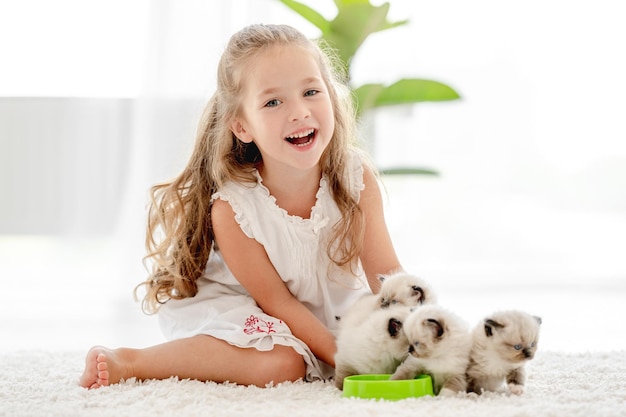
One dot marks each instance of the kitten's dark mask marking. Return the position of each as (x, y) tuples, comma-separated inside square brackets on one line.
[(394, 327)]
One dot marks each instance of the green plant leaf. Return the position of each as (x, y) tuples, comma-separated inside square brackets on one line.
[(366, 96), (414, 90), (404, 91), (354, 22), (308, 13), (408, 171)]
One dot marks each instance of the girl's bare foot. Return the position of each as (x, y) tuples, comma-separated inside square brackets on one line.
[(102, 367)]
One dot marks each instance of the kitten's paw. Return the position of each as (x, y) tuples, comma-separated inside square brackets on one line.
[(446, 392), (516, 389), (400, 374)]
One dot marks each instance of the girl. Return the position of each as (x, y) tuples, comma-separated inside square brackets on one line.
[(274, 228)]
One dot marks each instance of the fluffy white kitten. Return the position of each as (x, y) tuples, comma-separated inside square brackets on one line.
[(502, 344), (439, 345), (370, 344), (398, 289), (405, 289)]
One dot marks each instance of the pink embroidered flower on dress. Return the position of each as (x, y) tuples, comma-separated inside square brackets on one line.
[(254, 324)]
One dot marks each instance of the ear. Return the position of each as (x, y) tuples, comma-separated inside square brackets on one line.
[(539, 321), (436, 326), (418, 290), (240, 131), (394, 327), (490, 325)]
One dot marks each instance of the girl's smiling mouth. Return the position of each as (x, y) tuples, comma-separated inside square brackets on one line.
[(303, 138)]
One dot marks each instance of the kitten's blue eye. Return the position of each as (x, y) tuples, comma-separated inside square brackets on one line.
[(517, 347), (272, 103), (533, 344)]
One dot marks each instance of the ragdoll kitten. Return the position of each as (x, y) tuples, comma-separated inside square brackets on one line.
[(370, 344), (405, 289), (439, 345), (502, 344), (399, 289)]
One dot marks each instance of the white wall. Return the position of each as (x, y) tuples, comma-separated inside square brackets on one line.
[(533, 158)]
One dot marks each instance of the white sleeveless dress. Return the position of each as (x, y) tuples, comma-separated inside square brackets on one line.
[(297, 249)]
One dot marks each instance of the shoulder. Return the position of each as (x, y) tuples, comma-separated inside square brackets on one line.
[(236, 187), (237, 193), (370, 178), (221, 209), (224, 216), (360, 171), (236, 203)]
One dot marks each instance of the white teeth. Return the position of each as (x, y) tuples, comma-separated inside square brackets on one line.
[(301, 134)]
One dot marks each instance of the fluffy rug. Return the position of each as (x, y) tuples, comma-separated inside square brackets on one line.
[(45, 384)]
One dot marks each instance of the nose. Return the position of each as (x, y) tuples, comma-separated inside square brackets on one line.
[(299, 110)]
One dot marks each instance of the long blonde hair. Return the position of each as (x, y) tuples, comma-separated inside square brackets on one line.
[(179, 236)]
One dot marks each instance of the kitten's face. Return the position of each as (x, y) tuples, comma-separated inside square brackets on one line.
[(395, 343), (404, 289), (513, 335), (432, 330)]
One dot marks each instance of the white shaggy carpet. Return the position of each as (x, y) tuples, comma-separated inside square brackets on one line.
[(36, 383)]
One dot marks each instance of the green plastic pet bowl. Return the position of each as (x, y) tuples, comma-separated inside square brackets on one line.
[(379, 386)]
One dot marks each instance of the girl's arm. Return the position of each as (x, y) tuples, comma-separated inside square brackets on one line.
[(378, 255), (249, 263)]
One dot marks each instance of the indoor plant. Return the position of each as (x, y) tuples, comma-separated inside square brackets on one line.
[(354, 22)]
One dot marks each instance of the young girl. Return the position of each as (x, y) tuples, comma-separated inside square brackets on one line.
[(271, 232)]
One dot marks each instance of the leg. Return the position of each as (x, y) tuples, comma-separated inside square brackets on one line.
[(453, 385), (342, 371), (408, 369), (202, 357), (515, 381)]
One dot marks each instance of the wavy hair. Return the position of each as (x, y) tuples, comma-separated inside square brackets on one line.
[(179, 233)]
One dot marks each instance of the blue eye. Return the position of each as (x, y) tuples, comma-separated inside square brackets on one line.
[(309, 93), (272, 103), (517, 347)]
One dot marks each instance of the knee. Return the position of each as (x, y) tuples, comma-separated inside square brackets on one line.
[(284, 364)]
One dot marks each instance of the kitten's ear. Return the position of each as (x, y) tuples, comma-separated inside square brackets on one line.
[(417, 290), (436, 326), (539, 321), (490, 325), (394, 327)]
